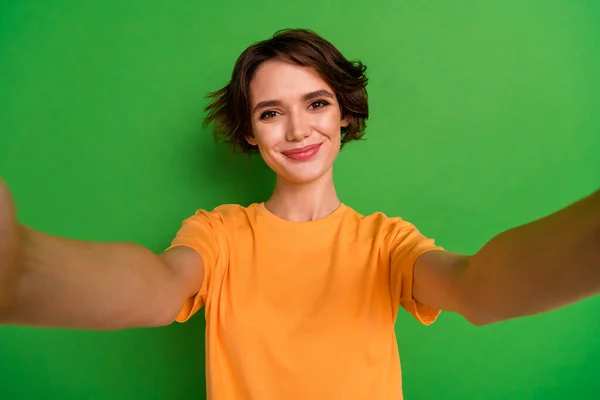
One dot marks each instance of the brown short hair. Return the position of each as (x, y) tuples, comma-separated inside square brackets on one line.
[(229, 110)]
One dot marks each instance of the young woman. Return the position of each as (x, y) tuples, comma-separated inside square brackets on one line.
[(301, 292)]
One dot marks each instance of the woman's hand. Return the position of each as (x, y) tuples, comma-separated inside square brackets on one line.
[(9, 245)]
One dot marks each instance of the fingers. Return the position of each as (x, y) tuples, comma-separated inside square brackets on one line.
[(7, 210), (8, 246)]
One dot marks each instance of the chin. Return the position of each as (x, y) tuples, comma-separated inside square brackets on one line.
[(300, 179), (303, 175)]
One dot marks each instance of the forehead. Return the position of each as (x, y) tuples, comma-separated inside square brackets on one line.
[(279, 80)]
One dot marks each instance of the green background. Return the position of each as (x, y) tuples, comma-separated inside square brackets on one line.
[(484, 115)]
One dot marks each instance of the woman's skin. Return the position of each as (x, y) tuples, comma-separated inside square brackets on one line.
[(51, 281)]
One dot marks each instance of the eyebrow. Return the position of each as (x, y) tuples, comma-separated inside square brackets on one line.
[(306, 97)]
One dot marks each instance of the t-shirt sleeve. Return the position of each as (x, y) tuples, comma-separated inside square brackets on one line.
[(198, 232), (407, 243)]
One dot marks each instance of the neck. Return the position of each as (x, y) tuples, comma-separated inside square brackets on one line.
[(301, 202)]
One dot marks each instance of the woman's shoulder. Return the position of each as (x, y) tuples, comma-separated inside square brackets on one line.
[(228, 210), (233, 208), (379, 217), (378, 221)]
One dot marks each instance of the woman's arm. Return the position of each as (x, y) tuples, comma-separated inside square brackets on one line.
[(537, 267), (49, 281)]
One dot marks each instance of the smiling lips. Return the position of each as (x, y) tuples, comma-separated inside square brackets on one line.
[(304, 153)]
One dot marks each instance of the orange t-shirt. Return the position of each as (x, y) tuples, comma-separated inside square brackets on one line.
[(303, 310)]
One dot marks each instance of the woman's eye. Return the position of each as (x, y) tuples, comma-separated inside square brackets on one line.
[(318, 104), (268, 114)]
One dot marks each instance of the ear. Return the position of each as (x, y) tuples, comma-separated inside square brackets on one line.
[(251, 140), (344, 123)]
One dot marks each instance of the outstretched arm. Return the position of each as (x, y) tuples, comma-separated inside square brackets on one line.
[(49, 281), (533, 268)]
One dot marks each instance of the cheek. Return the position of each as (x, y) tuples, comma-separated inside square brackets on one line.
[(328, 124), (268, 135)]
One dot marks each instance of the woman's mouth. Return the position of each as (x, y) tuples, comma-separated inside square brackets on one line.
[(303, 153)]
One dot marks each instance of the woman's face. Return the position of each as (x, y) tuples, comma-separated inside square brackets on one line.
[(296, 121)]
